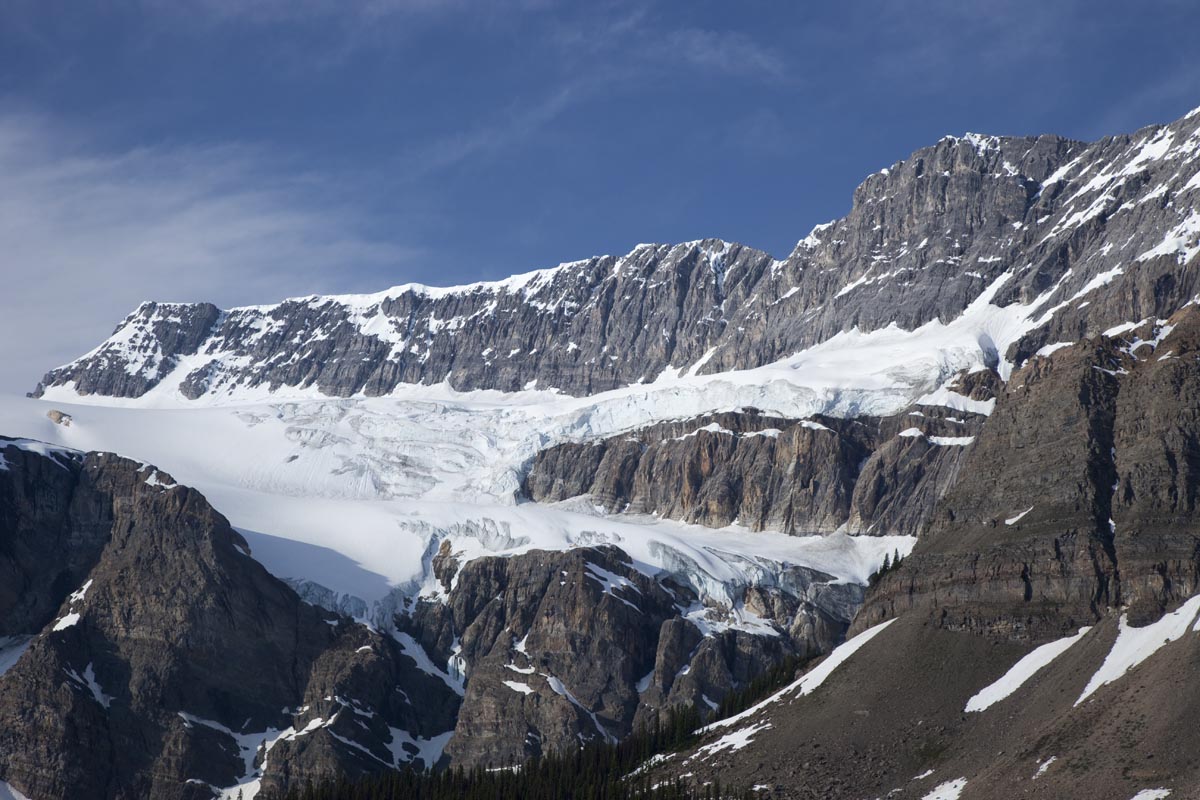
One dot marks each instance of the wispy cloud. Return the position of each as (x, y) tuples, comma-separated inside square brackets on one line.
[(726, 52), (88, 235), (646, 45), (513, 125)]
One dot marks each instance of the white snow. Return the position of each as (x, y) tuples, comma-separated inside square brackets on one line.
[(609, 581), (154, 480), (1043, 766), (1053, 348), (428, 750), (249, 745), (1021, 672), (949, 398), (357, 495), (1135, 645), (851, 373), (54, 453), (413, 649), (80, 593), (559, 688), (88, 681), (1182, 241), (66, 622), (951, 441), (523, 688), (811, 680), (950, 790), (1015, 519), (731, 741), (1152, 794)]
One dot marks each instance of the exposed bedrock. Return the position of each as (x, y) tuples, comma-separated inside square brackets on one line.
[(1077, 497), (866, 475), (159, 657), (563, 647)]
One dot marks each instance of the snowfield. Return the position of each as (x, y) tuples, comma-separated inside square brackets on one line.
[(357, 495)]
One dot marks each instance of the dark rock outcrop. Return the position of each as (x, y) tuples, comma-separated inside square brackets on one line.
[(1021, 546), (162, 659), (564, 647), (865, 475)]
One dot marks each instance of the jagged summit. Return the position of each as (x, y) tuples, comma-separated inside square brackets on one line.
[(1037, 221)]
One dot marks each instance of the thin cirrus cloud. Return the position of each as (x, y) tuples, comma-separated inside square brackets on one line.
[(727, 52), (87, 236)]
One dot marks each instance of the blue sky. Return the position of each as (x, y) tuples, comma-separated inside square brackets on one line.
[(241, 151)]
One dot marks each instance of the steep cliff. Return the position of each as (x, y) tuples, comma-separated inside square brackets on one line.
[(148, 655), (865, 475)]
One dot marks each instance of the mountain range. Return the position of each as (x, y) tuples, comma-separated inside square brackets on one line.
[(469, 526)]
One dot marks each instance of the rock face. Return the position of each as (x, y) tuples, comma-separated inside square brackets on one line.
[(1037, 221), (1076, 497), (1073, 509), (1028, 520), (564, 647), (865, 475), (155, 658)]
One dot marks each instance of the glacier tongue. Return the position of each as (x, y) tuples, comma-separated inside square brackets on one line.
[(350, 499)]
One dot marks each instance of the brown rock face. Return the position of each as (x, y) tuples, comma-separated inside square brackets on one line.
[(1157, 443), (866, 475), (1075, 507), (159, 648), (1076, 497), (1021, 545)]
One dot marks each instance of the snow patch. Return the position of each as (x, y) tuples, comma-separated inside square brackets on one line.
[(733, 741), (523, 688), (811, 680), (1018, 517), (413, 649), (1053, 348), (950, 790), (951, 441), (1021, 672), (66, 622), (9, 792), (1135, 645)]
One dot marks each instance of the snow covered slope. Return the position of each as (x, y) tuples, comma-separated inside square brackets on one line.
[(357, 495)]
